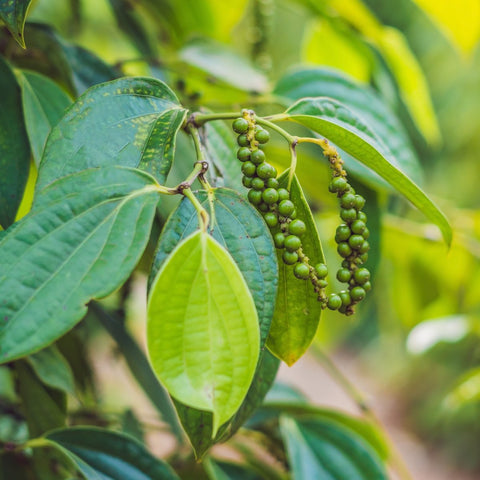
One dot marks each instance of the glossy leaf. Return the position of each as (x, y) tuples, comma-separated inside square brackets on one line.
[(81, 240), (348, 131), (14, 147), (44, 408), (101, 454), (224, 64), (139, 116), (14, 13), (138, 364), (203, 335), (297, 310), (52, 369), (325, 451), (363, 101), (44, 103)]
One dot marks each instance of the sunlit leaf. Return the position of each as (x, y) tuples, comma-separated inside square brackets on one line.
[(203, 335)]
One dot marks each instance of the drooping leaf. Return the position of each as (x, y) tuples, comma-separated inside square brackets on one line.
[(224, 64), (349, 132), (218, 470), (363, 101), (140, 368), (81, 240), (14, 147), (44, 408), (297, 310), (203, 335), (325, 451), (140, 118), (14, 13), (44, 103), (101, 454)]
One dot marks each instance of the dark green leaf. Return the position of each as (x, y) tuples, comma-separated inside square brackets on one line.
[(140, 118), (203, 335), (14, 13), (224, 64), (102, 454), (140, 367), (218, 470), (44, 408), (324, 450), (364, 102), (14, 147), (349, 132), (81, 240), (132, 426), (52, 369), (297, 310), (44, 103)]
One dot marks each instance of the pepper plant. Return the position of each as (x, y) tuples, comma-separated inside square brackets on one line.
[(237, 278)]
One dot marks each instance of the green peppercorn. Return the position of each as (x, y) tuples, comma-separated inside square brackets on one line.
[(357, 294), (322, 283), (363, 257), (243, 154), (334, 301), (359, 202), (265, 171), (263, 207), (248, 169), (345, 297), (366, 233), (272, 183), (242, 140), (347, 200), (262, 136), (271, 219), (292, 243), (344, 249), (345, 263), (240, 125), (342, 233), (293, 215), (348, 215), (247, 182), (362, 216), (285, 207), (344, 275), (321, 270), (279, 240), (283, 194), (290, 257), (254, 197), (361, 276), (338, 184), (367, 286), (257, 157), (356, 241), (270, 196), (301, 270), (365, 247), (297, 227), (358, 226), (258, 183)]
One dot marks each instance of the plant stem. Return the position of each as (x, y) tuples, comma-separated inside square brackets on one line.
[(198, 119), (293, 164), (202, 213), (396, 460), (263, 121)]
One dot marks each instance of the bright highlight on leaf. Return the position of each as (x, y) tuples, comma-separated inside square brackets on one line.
[(202, 332)]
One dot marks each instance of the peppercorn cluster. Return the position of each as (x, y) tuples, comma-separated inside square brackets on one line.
[(287, 230)]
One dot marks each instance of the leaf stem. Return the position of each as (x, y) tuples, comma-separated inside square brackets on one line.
[(198, 119), (264, 121), (203, 218), (396, 460)]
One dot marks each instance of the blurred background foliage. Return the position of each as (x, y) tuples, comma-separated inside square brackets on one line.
[(419, 330)]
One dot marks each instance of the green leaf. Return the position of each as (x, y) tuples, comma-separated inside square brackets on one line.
[(324, 450), (101, 454), (44, 103), (226, 65), (364, 102), (132, 426), (44, 408), (14, 147), (52, 369), (203, 335), (348, 131), (139, 116), (81, 240), (297, 310), (14, 13), (218, 470), (139, 366)]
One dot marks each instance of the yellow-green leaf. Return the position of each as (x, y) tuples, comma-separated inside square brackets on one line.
[(202, 331)]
